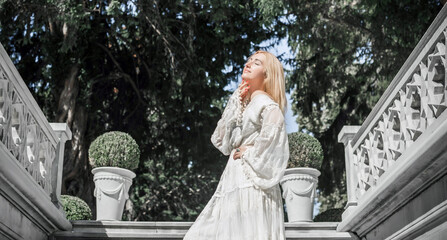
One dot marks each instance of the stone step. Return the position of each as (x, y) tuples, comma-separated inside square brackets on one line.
[(176, 230)]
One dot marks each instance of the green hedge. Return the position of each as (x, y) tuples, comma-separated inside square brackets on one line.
[(114, 149), (330, 215), (305, 151), (75, 208)]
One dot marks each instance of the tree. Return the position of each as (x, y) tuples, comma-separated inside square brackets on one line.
[(346, 54), (154, 69)]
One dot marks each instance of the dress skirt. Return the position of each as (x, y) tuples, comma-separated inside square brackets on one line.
[(239, 210)]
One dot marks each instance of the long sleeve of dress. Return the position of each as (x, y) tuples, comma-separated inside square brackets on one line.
[(222, 134), (265, 162)]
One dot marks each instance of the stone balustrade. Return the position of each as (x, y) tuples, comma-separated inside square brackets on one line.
[(26, 133), (416, 102), (381, 156), (32, 152)]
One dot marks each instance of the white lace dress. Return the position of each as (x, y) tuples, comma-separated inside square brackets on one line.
[(247, 203)]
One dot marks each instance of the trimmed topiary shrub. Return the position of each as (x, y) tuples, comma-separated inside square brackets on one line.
[(330, 215), (114, 149), (305, 151), (75, 208)]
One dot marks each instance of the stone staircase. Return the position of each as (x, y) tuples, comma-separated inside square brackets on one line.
[(176, 230)]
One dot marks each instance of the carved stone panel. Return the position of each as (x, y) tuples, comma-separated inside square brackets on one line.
[(419, 102), (22, 135)]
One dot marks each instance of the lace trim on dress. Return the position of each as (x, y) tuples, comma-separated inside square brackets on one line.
[(223, 193)]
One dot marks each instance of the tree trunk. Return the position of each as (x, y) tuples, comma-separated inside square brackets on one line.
[(76, 177)]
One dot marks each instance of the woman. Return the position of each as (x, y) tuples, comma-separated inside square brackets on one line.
[(247, 203)]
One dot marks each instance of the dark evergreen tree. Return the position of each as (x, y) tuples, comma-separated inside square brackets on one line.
[(154, 69), (345, 55)]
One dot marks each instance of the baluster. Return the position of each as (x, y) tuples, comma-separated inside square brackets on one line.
[(345, 136), (64, 134)]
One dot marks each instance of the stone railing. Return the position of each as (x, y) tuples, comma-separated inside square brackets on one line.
[(416, 102), (404, 119), (31, 149), (26, 133)]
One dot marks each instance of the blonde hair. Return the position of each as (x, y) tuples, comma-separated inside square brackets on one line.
[(274, 81)]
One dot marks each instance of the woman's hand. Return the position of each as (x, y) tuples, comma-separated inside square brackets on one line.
[(243, 89), (237, 154)]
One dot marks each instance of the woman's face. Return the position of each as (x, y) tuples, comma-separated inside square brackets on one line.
[(254, 72)]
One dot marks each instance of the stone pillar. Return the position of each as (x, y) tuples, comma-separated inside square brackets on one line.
[(63, 133), (345, 136)]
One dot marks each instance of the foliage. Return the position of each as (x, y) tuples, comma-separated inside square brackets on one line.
[(337, 198), (114, 149), (154, 69), (330, 215), (75, 208), (173, 195), (305, 151)]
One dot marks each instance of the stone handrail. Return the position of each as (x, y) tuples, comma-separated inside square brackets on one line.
[(412, 106), (37, 145)]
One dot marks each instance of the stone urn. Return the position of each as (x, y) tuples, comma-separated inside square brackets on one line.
[(112, 156), (299, 186), (111, 191)]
